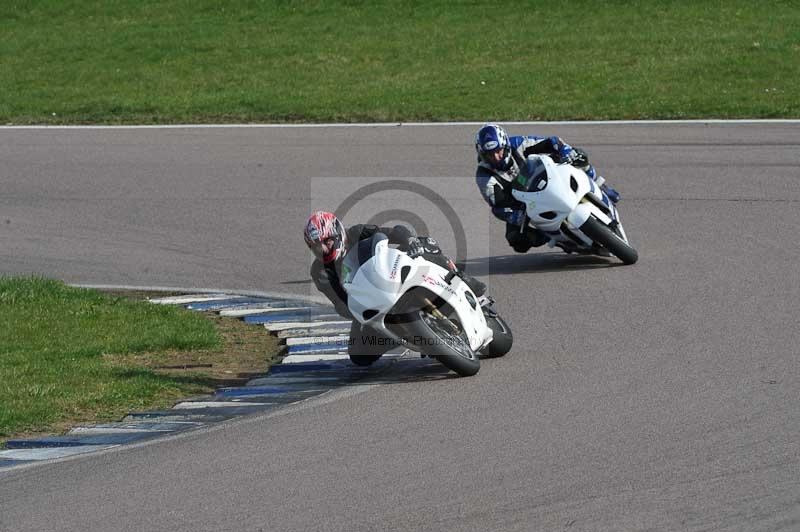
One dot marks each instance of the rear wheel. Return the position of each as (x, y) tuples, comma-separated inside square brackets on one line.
[(502, 338), (604, 236)]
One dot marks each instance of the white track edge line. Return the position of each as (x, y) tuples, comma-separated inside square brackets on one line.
[(236, 292), (416, 124)]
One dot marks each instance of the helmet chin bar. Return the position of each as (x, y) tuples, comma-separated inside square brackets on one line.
[(335, 254), (505, 162)]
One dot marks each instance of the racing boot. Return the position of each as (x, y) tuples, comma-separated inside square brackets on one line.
[(478, 287), (611, 192), (487, 304)]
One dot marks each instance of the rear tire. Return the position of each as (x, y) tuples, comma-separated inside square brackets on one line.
[(604, 236), (502, 341)]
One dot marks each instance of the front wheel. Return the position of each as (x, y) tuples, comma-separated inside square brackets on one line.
[(364, 360), (443, 340), (604, 236)]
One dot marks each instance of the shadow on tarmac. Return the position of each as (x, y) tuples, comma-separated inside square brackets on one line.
[(536, 262)]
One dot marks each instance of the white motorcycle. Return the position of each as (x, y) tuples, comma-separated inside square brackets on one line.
[(568, 206), (422, 306)]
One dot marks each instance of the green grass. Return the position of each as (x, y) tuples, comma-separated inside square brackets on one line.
[(199, 61), (55, 342)]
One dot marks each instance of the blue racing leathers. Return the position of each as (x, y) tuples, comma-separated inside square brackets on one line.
[(495, 184)]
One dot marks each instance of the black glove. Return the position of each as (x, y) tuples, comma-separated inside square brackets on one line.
[(414, 248), (579, 158)]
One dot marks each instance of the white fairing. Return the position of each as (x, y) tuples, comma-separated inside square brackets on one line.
[(562, 198), (376, 286)]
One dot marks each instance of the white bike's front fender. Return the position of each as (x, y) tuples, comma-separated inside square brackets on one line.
[(583, 211)]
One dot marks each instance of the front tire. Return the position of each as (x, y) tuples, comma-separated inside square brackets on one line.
[(364, 360), (442, 343), (604, 236)]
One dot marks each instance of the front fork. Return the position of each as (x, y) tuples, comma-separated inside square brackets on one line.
[(436, 313)]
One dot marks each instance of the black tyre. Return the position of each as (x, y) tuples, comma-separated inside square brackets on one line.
[(441, 342), (604, 236), (364, 360), (502, 341)]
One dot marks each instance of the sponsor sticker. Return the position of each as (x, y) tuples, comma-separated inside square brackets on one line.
[(393, 273), (437, 282)]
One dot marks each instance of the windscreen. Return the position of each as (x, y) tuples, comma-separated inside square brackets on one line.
[(362, 252), (533, 175)]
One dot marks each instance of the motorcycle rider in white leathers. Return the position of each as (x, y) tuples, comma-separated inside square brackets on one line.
[(500, 160), (330, 241)]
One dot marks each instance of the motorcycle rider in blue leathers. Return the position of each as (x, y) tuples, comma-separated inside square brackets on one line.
[(500, 159)]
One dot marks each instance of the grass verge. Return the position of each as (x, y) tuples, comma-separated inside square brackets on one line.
[(201, 61), (70, 355)]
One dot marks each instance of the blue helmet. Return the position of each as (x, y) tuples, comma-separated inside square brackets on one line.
[(490, 138)]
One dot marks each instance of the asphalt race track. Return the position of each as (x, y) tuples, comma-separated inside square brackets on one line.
[(659, 396)]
